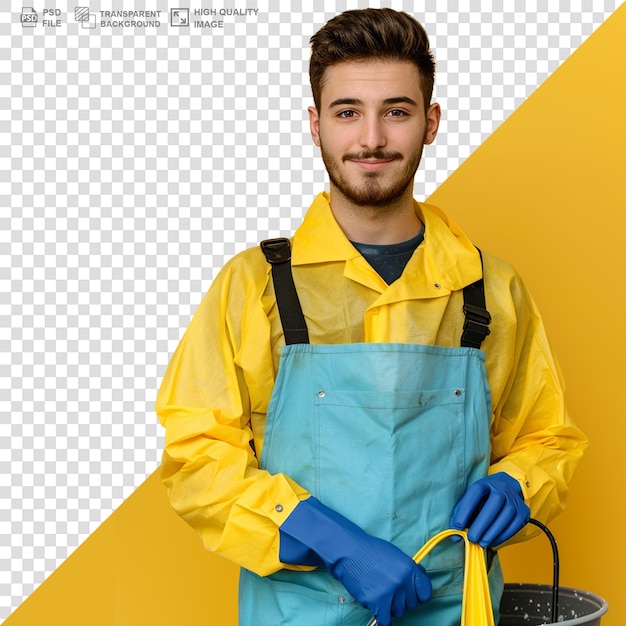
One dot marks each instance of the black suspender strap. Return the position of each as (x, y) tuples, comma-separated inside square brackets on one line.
[(278, 255), (477, 318)]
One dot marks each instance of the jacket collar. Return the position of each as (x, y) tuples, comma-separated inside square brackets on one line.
[(445, 261)]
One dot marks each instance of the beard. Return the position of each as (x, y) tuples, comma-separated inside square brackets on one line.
[(377, 188)]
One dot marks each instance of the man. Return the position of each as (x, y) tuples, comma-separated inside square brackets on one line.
[(337, 401)]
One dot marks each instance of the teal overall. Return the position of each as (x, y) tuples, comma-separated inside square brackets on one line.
[(389, 435)]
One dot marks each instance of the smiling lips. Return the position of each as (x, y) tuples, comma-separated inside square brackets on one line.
[(374, 162), (372, 165)]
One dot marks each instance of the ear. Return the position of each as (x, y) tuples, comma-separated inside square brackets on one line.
[(433, 117), (314, 121)]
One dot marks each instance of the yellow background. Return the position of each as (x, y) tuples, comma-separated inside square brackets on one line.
[(547, 191)]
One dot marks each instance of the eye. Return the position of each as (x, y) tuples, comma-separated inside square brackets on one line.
[(397, 113), (347, 114)]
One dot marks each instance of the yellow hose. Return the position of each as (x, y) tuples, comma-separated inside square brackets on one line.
[(476, 607)]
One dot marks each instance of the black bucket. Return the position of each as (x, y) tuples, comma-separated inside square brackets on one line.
[(531, 605), (546, 605)]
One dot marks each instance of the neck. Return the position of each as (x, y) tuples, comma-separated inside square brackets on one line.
[(378, 225)]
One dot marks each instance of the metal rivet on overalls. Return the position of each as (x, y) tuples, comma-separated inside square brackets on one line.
[(321, 394), (341, 599), (457, 392), (279, 508)]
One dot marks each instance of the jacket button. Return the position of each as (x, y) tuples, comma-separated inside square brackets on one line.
[(279, 508), (321, 394)]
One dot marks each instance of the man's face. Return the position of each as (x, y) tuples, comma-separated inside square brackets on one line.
[(371, 128)]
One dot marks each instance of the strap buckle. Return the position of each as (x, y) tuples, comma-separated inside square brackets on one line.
[(476, 326), (277, 250)]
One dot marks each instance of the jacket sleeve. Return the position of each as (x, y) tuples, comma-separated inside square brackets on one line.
[(207, 407), (533, 437)]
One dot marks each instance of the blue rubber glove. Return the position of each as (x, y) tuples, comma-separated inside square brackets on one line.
[(378, 575), (492, 509)]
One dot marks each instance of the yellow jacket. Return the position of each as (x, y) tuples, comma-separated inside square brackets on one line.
[(216, 390)]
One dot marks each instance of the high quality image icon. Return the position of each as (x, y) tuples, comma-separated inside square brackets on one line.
[(179, 17)]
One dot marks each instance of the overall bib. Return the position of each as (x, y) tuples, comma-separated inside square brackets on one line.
[(389, 435)]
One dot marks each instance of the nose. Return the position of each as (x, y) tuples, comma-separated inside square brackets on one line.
[(372, 133)]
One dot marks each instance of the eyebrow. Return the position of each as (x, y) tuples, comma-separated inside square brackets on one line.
[(396, 100)]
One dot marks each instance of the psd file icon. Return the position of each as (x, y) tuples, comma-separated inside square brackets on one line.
[(29, 17)]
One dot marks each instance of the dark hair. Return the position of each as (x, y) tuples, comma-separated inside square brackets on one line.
[(371, 34)]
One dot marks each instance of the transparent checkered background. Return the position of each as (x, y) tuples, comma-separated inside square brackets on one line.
[(134, 162)]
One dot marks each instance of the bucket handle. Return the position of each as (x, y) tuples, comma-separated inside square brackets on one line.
[(555, 570)]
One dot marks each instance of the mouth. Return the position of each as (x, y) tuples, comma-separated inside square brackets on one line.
[(372, 164)]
